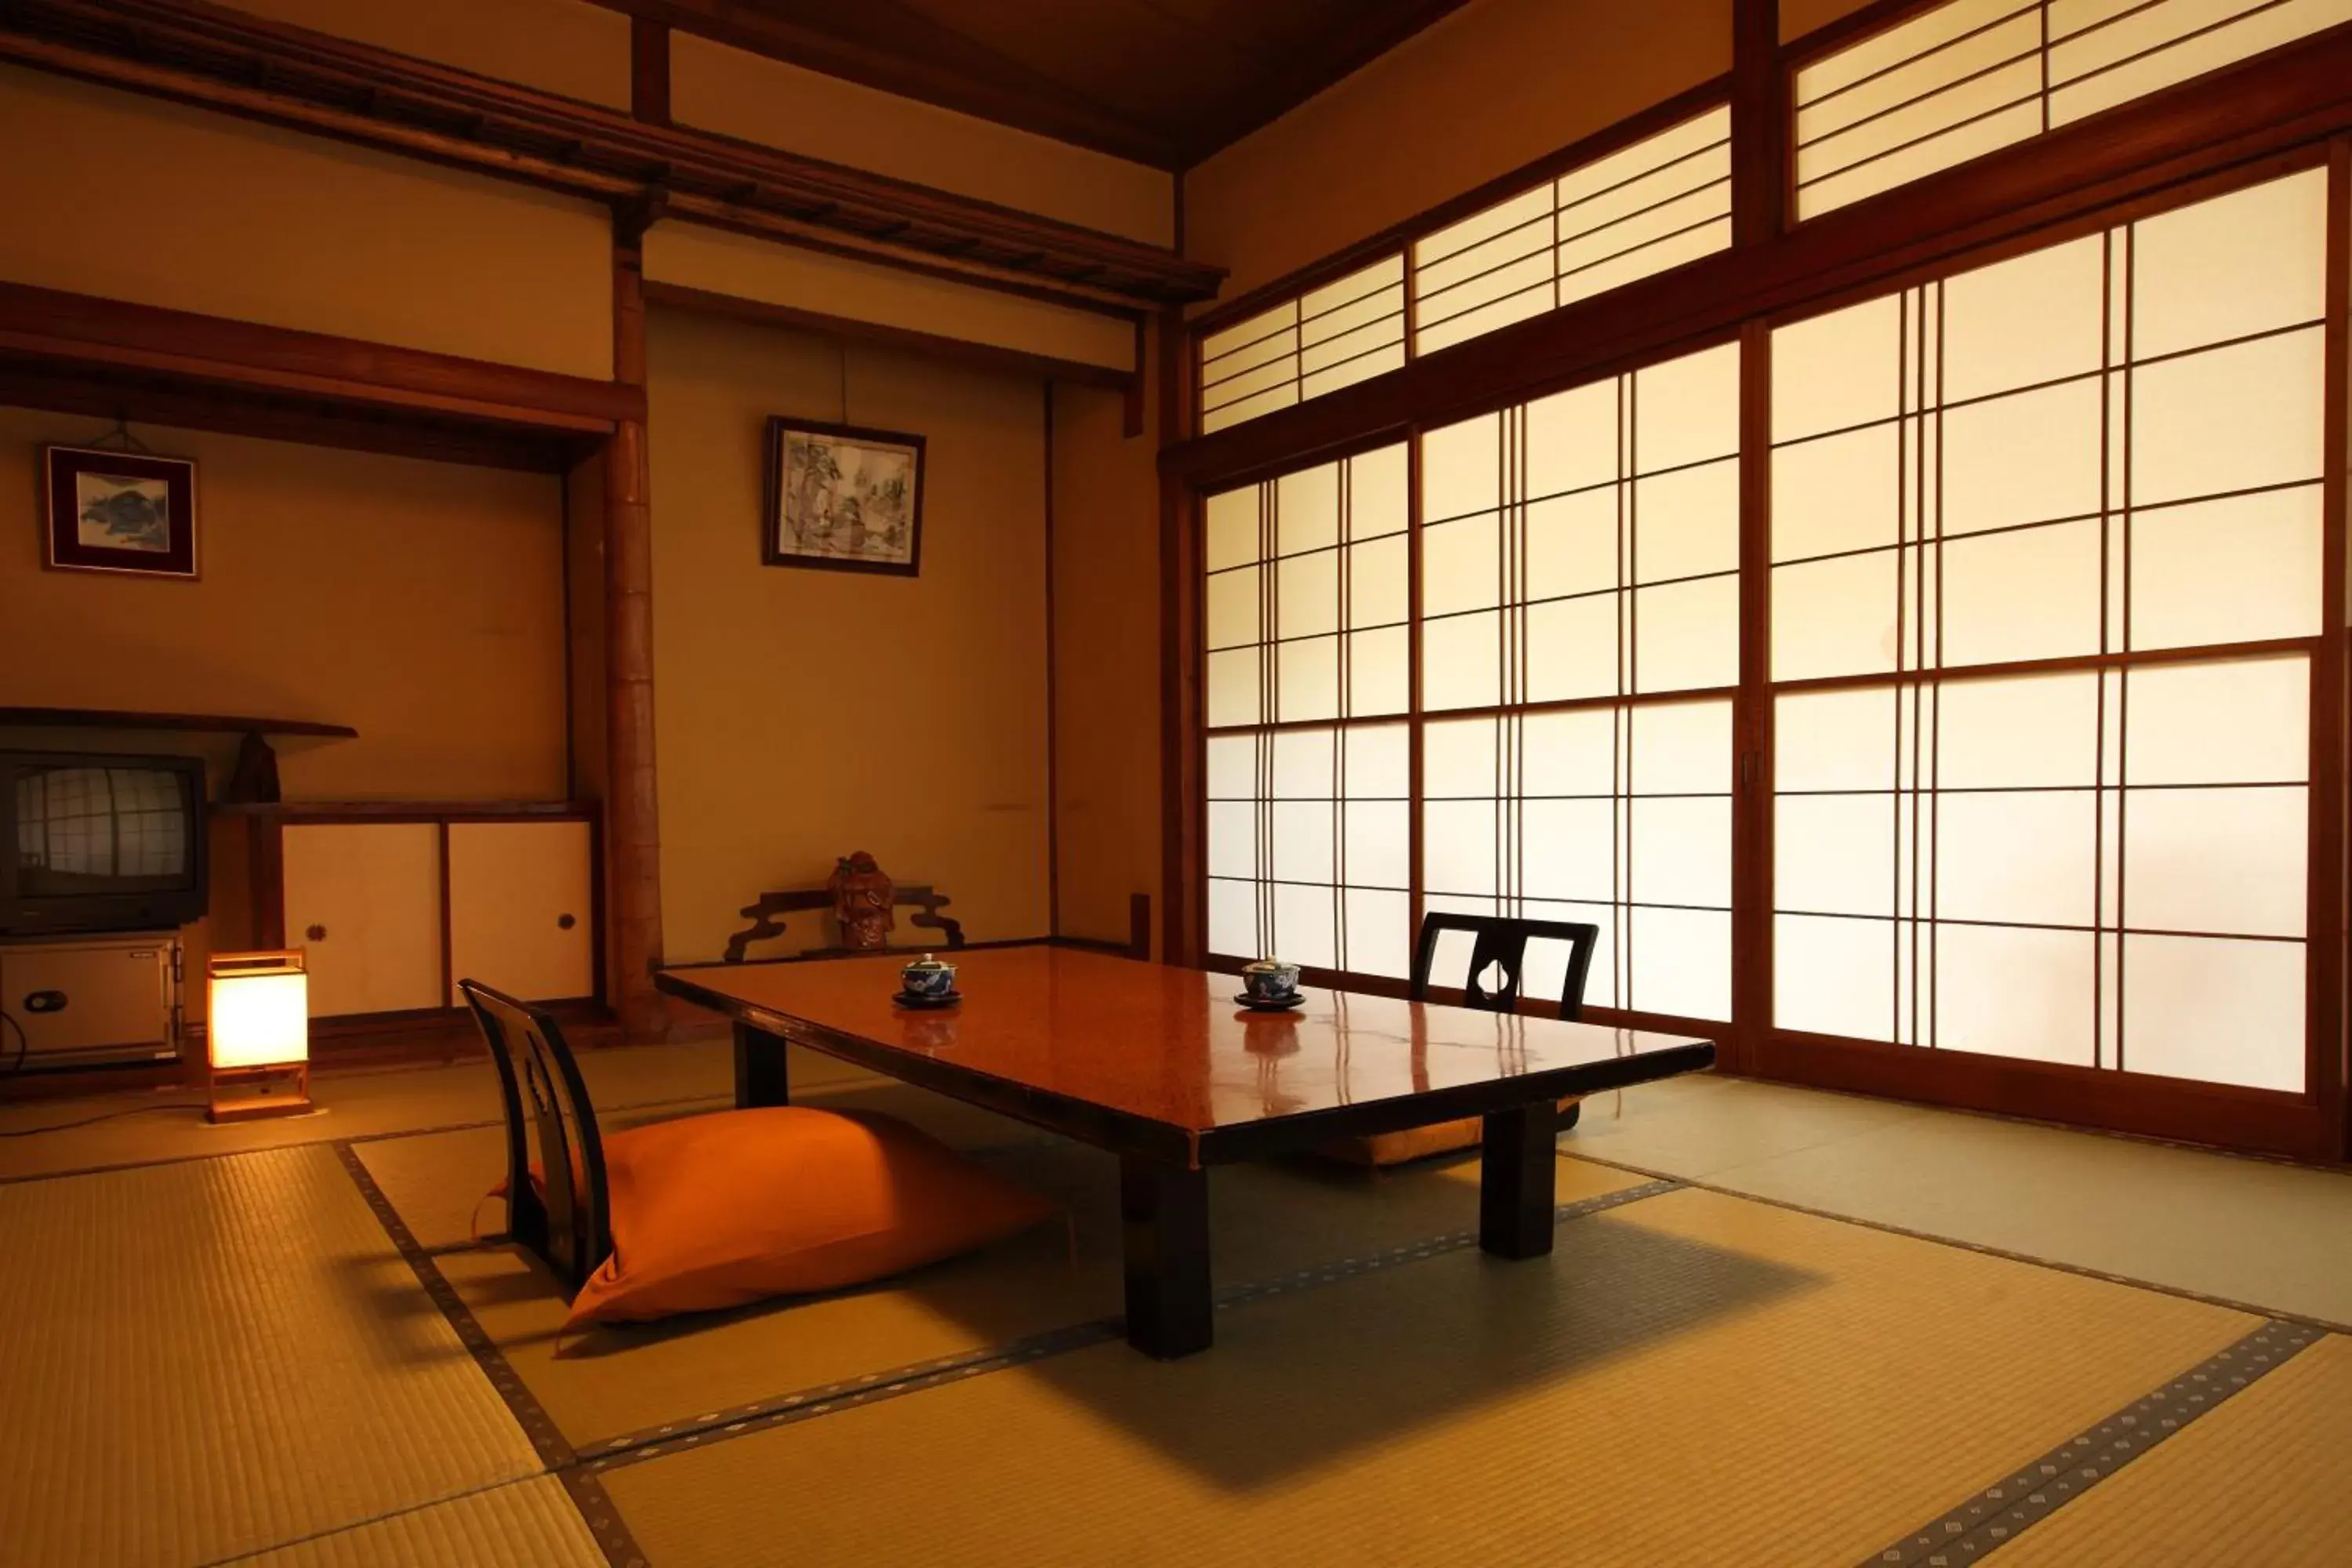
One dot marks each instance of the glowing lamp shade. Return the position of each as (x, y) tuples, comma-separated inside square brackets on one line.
[(257, 1034), (260, 1019)]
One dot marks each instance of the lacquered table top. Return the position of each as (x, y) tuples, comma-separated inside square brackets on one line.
[(1169, 1044)]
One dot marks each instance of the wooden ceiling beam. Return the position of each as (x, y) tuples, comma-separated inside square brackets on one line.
[(980, 81), (192, 52)]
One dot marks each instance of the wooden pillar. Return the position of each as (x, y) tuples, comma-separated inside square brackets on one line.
[(632, 802)]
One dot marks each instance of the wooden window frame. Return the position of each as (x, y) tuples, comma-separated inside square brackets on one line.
[(2287, 109)]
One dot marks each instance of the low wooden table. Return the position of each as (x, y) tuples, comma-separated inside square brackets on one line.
[(1160, 1066)]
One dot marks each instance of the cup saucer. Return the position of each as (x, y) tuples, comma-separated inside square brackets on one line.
[(1278, 1005), (919, 1003)]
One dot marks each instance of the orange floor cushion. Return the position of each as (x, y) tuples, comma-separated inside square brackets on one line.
[(1415, 1143), (719, 1210)]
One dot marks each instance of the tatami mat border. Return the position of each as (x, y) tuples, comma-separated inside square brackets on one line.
[(587, 1494), (326, 1141), (2252, 1308), (871, 1388), (2036, 1491)]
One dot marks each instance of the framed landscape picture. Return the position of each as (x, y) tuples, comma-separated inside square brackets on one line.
[(120, 511), (843, 498)]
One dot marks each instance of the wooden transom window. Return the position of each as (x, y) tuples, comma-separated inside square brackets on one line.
[(1963, 78)]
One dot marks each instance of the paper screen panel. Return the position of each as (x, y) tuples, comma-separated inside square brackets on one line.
[(1681, 851), (1230, 529), (1461, 564), (1834, 617), (2026, 456), (1233, 607), (1834, 740), (1680, 748), (2217, 1010), (2229, 721), (1573, 648), (1306, 840), (1306, 679), (1233, 682), (2237, 570), (1461, 469), (1379, 672), (1833, 976), (1458, 760), (1460, 661), (1679, 962), (1835, 494), (1687, 636), (1573, 541), (2018, 732), (1837, 371), (2229, 419), (1233, 918), (1573, 439), (1307, 593), (2025, 994), (2026, 322), (2222, 860), (2029, 594), (1572, 751), (2023, 857), (1573, 849), (1306, 926), (1687, 522), (1458, 845), (1834, 854), (2252, 261)]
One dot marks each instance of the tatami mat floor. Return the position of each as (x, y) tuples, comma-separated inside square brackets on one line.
[(214, 1360)]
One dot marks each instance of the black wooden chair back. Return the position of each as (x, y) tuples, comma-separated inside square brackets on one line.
[(565, 1218), (1500, 941)]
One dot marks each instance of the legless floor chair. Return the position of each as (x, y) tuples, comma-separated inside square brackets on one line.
[(719, 1210), (1498, 958)]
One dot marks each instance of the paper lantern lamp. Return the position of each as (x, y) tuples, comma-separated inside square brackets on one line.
[(256, 1034)]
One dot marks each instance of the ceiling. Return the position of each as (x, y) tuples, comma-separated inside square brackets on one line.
[(1165, 82)]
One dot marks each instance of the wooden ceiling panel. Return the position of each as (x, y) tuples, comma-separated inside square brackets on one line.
[(1165, 82)]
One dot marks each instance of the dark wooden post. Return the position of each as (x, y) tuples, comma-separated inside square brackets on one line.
[(632, 802)]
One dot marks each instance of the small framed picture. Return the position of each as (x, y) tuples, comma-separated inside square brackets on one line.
[(843, 498), (120, 511)]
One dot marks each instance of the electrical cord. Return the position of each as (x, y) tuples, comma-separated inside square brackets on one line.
[(94, 1121)]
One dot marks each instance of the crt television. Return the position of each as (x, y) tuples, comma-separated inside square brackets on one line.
[(100, 842)]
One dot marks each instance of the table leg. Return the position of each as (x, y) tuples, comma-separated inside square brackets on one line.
[(761, 1075), (1166, 1213), (1515, 1173)]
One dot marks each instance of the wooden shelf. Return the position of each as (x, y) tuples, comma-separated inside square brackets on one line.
[(404, 810), (217, 724)]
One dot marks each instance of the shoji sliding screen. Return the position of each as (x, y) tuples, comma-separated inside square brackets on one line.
[(1308, 683), (1509, 690), (1579, 642), (2046, 541)]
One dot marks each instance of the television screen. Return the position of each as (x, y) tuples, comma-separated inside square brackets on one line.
[(84, 830)]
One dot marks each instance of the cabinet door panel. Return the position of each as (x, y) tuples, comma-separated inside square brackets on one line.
[(520, 911), (373, 889)]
